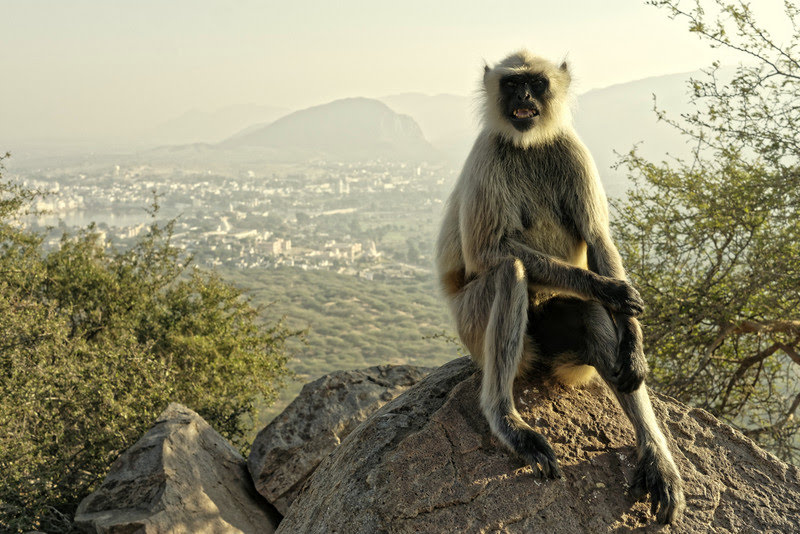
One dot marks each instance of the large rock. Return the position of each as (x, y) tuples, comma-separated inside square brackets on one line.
[(426, 462), (180, 477), (288, 450)]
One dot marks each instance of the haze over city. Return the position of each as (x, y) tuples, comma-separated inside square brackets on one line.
[(95, 73)]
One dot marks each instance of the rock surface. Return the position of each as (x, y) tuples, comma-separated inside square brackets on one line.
[(180, 477), (426, 462), (288, 450)]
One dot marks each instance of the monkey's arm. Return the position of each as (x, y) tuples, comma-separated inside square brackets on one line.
[(604, 259), (631, 368), (540, 268), (588, 208), (486, 239), (602, 255)]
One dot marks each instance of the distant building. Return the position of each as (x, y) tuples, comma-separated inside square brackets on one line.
[(355, 249), (133, 231), (246, 234), (372, 251), (279, 246)]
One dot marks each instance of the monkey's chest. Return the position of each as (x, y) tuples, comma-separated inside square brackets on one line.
[(548, 231)]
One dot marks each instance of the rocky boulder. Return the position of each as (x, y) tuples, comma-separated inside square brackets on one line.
[(288, 450), (180, 477), (426, 462)]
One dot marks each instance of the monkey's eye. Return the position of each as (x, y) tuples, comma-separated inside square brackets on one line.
[(509, 83), (539, 85)]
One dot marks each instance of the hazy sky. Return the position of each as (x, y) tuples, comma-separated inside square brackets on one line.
[(90, 68)]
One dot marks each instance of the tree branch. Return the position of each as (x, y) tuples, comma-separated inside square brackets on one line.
[(744, 365)]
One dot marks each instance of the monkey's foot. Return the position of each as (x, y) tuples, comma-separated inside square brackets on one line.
[(657, 475), (534, 449)]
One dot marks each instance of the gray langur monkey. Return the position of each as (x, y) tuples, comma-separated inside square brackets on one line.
[(533, 279)]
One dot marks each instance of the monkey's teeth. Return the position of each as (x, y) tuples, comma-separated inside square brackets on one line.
[(524, 113)]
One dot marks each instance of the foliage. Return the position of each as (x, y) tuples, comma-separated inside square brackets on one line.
[(94, 343), (713, 241), (351, 322)]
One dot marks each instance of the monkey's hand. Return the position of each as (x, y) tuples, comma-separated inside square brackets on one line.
[(657, 475), (619, 296), (631, 366)]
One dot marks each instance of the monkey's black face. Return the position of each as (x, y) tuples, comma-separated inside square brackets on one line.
[(522, 98)]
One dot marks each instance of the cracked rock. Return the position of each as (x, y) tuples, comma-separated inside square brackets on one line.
[(426, 462), (180, 477), (288, 450)]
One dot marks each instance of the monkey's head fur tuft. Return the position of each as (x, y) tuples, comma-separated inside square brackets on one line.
[(526, 99)]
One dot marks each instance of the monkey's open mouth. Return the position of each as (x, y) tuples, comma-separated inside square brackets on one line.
[(525, 113)]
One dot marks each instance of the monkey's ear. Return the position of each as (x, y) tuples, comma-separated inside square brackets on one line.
[(486, 71), (565, 69)]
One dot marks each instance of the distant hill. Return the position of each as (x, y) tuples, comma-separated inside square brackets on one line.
[(616, 118), (449, 122), (197, 126), (352, 128)]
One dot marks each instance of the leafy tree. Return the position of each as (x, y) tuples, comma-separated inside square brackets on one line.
[(95, 342), (713, 241)]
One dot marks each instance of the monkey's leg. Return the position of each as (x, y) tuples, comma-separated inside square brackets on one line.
[(583, 330), (503, 347), (624, 369), (630, 368), (656, 472)]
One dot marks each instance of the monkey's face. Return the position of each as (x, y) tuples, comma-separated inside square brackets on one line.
[(526, 99), (522, 97)]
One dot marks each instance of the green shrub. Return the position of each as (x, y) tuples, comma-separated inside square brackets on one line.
[(712, 241), (94, 343)]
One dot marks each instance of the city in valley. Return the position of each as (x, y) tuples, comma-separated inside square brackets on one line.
[(373, 219)]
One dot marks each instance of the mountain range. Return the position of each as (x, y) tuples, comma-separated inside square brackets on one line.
[(610, 121), (196, 126), (408, 127), (415, 126)]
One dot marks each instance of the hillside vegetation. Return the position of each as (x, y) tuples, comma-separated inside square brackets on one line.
[(350, 323)]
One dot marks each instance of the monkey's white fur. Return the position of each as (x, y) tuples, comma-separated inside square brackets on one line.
[(554, 119)]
